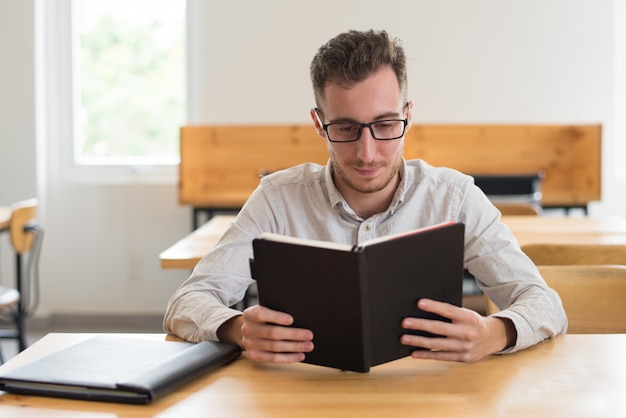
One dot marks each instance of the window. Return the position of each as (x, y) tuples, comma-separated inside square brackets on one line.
[(115, 86), (129, 80)]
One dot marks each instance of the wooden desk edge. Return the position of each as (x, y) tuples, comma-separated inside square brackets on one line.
[(5, 217), (178, 255), (538, 381), (181, 256), (178, 263)]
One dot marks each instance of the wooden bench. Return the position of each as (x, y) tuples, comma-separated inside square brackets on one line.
[(221, 164)]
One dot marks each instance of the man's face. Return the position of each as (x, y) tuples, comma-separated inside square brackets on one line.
[(368, 165)]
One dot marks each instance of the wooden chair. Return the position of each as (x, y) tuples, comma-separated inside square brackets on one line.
[(572, 254), (20, 302), (592, 295)]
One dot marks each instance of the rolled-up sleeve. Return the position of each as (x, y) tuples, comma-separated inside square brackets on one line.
[(508, 277)]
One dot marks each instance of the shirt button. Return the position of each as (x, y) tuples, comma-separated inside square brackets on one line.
[(368, 228)]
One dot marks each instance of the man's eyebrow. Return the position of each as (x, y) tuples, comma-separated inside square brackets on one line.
[(382, 116)]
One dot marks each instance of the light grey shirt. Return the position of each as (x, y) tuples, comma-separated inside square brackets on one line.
[(302, 201)]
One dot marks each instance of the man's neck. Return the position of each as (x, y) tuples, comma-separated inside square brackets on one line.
[(366, 205)]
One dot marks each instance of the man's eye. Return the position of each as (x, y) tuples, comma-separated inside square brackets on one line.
[(385, 124), (346, 128)]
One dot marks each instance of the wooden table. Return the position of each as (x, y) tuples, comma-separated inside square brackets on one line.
[(527, 229), (570, 376), (5, 217), (188, 251), (565, 230)]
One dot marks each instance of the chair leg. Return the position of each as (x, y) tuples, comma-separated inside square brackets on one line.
[(20, 315), (21, 333)]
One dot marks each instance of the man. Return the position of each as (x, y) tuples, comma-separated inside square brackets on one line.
[(367, 189)]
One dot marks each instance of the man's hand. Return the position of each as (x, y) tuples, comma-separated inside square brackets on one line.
[(267, 337), (469, 337)]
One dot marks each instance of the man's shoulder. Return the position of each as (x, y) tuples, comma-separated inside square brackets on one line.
[(420, 170), (306, 172)]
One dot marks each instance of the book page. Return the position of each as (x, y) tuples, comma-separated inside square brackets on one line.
[(270, 236), (403, 234)]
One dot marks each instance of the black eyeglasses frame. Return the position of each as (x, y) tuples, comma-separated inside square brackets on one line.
[(325, 126)]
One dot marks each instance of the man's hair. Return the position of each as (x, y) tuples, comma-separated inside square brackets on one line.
[(353, 56)]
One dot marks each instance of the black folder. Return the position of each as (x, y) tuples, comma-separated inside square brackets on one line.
[(118, 369)]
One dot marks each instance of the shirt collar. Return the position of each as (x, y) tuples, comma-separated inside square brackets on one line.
[(336, 199), (338, 203)]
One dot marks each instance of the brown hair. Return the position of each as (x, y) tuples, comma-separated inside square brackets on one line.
[(352, 56)]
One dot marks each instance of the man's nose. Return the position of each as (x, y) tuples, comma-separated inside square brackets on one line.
[(366, 145)]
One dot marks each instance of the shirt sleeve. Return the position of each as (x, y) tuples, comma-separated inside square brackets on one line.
[(220, 280), (508, 276)]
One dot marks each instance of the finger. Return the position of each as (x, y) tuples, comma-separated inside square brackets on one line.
[(467, 331), (260, 313), (269, 357), (444, 309), (431, 326), (435, 343), (277, 346), (268, 330), (456, 314), (443, 355)]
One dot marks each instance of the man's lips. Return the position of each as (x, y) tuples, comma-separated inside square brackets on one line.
[(367, 171)]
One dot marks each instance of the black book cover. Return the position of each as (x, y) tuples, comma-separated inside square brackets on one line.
[(118, 369), (354, 298)]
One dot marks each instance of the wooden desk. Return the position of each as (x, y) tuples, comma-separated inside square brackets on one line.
[(551, 230), (5, 217), (570, 376), (186, 253), (527, 229)]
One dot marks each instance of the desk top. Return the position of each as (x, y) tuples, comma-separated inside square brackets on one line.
[(527, 229), (5, 217), (572, 375)]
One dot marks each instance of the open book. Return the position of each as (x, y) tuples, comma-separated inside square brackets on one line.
[(354, 298)]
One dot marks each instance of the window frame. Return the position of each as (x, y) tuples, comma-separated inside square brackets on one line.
[(619, 104)]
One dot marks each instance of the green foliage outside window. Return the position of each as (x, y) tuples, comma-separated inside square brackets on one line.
[(132, 81)]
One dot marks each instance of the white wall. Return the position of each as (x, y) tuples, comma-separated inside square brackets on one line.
[(17, 101), (485, 61), (17, 113)]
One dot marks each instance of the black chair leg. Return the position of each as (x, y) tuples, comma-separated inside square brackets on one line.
[(21, 333)]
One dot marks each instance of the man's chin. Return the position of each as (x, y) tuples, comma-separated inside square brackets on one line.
[(367, 187)]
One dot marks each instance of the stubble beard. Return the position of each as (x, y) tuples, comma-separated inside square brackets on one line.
[(367, 188)]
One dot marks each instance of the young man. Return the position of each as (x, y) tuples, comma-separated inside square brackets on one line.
[(367, 189)]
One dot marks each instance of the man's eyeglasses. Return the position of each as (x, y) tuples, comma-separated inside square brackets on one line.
[(383, 130)]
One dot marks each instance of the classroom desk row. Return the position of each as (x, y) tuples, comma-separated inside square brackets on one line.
[(186, 253), (569, 376)]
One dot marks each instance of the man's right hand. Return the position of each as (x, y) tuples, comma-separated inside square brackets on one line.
[(266, 336)]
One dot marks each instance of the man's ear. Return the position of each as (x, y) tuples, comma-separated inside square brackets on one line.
[(409, 113), (316, 122)]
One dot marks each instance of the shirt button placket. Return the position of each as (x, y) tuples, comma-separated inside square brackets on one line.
[(366, 232)]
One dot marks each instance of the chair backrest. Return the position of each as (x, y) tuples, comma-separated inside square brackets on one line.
[(511, 187), (592, 296), (22, 213), (572, 254)]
